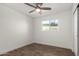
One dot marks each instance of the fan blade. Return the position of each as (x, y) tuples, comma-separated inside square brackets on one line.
[(30, 5), (31, 11), (45, 8), (39, 4)]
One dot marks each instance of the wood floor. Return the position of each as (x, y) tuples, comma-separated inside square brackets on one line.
[(40, 50)]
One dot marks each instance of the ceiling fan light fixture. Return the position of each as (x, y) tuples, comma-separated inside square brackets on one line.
[(38, 10), (37, 7)]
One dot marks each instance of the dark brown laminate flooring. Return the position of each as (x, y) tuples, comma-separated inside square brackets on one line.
[(40, 50)]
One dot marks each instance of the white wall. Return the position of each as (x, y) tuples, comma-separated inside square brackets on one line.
[(75, 33), (75, 25), (62, 37), (15, 29)]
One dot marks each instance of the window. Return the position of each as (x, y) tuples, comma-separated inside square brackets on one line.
[(53, 24), (49, 24), (45, 25)]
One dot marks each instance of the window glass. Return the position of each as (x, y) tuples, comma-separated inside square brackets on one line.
[(45, 25), (49, 24)]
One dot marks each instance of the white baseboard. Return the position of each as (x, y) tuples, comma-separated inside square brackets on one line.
[(51, 45)]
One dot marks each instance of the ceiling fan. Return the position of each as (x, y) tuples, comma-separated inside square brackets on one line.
[(37, 7)]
